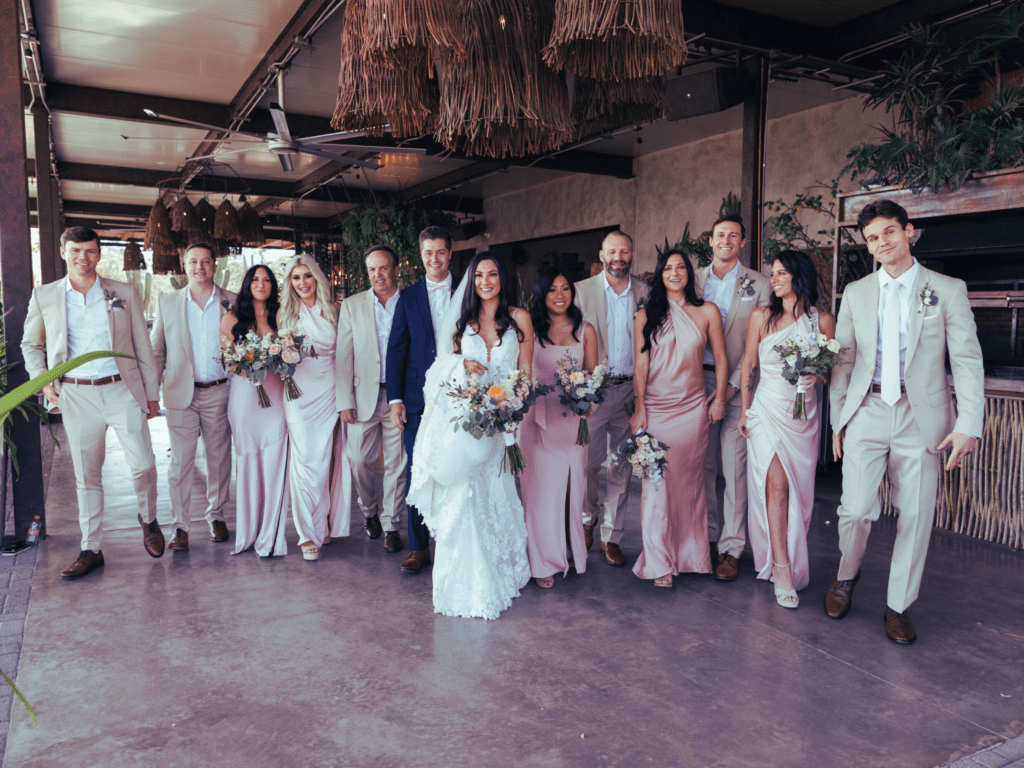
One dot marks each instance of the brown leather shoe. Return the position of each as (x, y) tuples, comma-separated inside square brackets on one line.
[(218, 531), (373, 527), (179, 540), (898, 627), (728, 568), (588, 535), (612, 554), (417, 559), (840, 596), (714, 552), (86, 561), (152, 538), (392, 542)]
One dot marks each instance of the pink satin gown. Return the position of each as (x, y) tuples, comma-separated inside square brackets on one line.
[(774, 432), (674, 514), (554, 463), (260, 438), (320, 502)]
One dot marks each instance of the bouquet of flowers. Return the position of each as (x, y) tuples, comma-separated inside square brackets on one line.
[(583, 391), (286, 352), (486, 411), (811, 355), (249, 358), (645, 454)]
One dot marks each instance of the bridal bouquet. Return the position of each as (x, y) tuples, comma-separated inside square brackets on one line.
[(811, 355), (645, 454), (583, 391), (499, 407), (286, 352), (250, 359)]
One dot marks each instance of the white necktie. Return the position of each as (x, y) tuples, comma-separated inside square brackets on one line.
[(891, 345)]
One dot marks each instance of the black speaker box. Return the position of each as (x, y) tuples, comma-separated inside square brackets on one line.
[(703, 93)]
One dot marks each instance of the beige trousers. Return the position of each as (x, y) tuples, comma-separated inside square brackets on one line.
[(206, 417), (880, 436), (727, 453), (609, 428), (87, 412), (365, 439)]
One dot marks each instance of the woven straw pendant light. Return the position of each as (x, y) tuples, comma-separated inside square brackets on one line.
[(371, 97), (501, 100), (616, 39), (599, 106), (250, 226), (184, 220), (404, 33), (206, 215), (227, 225), (133, 258), (160, 240)]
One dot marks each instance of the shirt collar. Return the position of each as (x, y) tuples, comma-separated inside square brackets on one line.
[(608, 288), (447, 281), (730, 275), (907, 279), (391, 301), (188, 297), (68, 288)]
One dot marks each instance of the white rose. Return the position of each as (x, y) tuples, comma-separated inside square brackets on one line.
[(812, 353), (833, 345), (791, 361)]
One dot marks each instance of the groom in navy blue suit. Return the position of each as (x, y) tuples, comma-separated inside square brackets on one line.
[(412, 348)]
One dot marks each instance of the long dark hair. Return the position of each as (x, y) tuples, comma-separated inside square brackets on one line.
[(657, 299), (244, 309), (539, 311), (471, 302), (805, 286)]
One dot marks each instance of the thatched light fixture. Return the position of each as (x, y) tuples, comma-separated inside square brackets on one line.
[(184, 219), (501, 100), (250, 226), (599, 106), (160, 240), (227, 225), (133, 258), (616, 39), (206, 216), (407, 33)]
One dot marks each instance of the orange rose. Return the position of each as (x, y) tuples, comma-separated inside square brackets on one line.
[(249, 355), (497, 393)]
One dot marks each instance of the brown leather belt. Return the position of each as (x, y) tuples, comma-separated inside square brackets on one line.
[(877, 388), (208, 384), (91, 382), (709, 367)]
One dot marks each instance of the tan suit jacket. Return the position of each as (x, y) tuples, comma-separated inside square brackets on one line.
[(946, 326), (357, 368), (172, 345), (591, 301), (743, 303), (45, 342)]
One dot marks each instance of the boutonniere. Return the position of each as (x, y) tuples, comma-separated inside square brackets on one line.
[(746, 286), (227, 305), (113, 302), (928, 297)]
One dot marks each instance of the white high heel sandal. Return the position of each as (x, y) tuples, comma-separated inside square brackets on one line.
[(787, 598)]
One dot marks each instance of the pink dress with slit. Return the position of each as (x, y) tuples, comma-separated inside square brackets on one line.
[(674, 514)]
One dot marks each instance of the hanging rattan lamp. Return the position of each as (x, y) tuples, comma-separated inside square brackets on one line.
[(160, 240), (250, 226), (206, 216), (600, 106), (184, 220), (407, 33), (501, 100), (133, 260), (616, 39), (227, 226)]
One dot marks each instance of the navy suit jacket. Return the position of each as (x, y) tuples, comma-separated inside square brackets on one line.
[(411, 348)]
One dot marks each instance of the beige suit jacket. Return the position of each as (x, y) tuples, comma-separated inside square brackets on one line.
[(45, 343), (357, 360), (591, 301), (934, 330), (743, 303), (172, 345)]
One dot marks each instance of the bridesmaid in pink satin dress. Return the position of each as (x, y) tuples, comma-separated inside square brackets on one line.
[(320, 497), (782, 451), (554, 463), (259, 435), (669, 335)]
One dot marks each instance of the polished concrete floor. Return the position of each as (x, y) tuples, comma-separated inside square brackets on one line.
[(204, 658)]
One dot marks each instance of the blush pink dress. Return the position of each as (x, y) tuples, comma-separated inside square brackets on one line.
[(554, 465), (774, 432), (320, 502), (674, 514)]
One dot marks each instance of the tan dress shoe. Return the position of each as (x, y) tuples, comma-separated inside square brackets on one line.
[(898, 627), (179, 540), (152, 538), (218, 531), (86, 561), (392, 542), (728, 568), (588, 535), (417, 560), (612, 554), (839, 597)]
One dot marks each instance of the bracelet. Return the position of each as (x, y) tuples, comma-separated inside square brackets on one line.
[(719, 400)]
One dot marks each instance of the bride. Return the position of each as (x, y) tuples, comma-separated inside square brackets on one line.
[(467, 500)]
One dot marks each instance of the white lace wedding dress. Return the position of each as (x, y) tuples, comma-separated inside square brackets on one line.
[(467, 501)]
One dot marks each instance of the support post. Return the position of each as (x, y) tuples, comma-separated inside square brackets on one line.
[(755, 124), (46, 188), (16, 265)]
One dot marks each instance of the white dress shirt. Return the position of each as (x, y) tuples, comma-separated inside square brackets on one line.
[(905, 285), (383, 317), (88, 330), (439, 298), (618, 315), (720, 292), (204, 330)]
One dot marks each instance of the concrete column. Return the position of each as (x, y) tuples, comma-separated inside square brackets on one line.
[(46, 189)]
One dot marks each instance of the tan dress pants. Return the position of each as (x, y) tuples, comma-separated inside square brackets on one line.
[(609, 428), (727, 452), (365, 439)]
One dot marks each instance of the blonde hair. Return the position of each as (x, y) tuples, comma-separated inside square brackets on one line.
[(288, 316)]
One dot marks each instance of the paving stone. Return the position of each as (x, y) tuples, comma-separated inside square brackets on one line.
[(1012, 749), (12, 626), (990, 759)]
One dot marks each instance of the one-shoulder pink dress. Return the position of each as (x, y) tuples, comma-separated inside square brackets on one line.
[(674, 513)]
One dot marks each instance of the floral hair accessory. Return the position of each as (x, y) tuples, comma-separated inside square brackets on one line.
[(746, 286), (113, 302), (928, 297)]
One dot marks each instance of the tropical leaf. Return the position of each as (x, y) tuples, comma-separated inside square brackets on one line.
[(18, 395)]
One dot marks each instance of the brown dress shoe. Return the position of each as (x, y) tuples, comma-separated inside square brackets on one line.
[(417, 559), (714, 552), (179, 540), (728, 568), (152, 538), (612, 554), (588, 535), (898, 627), (86, 561), (218, 531), (840, 596), (373, 527), (392, 542)]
